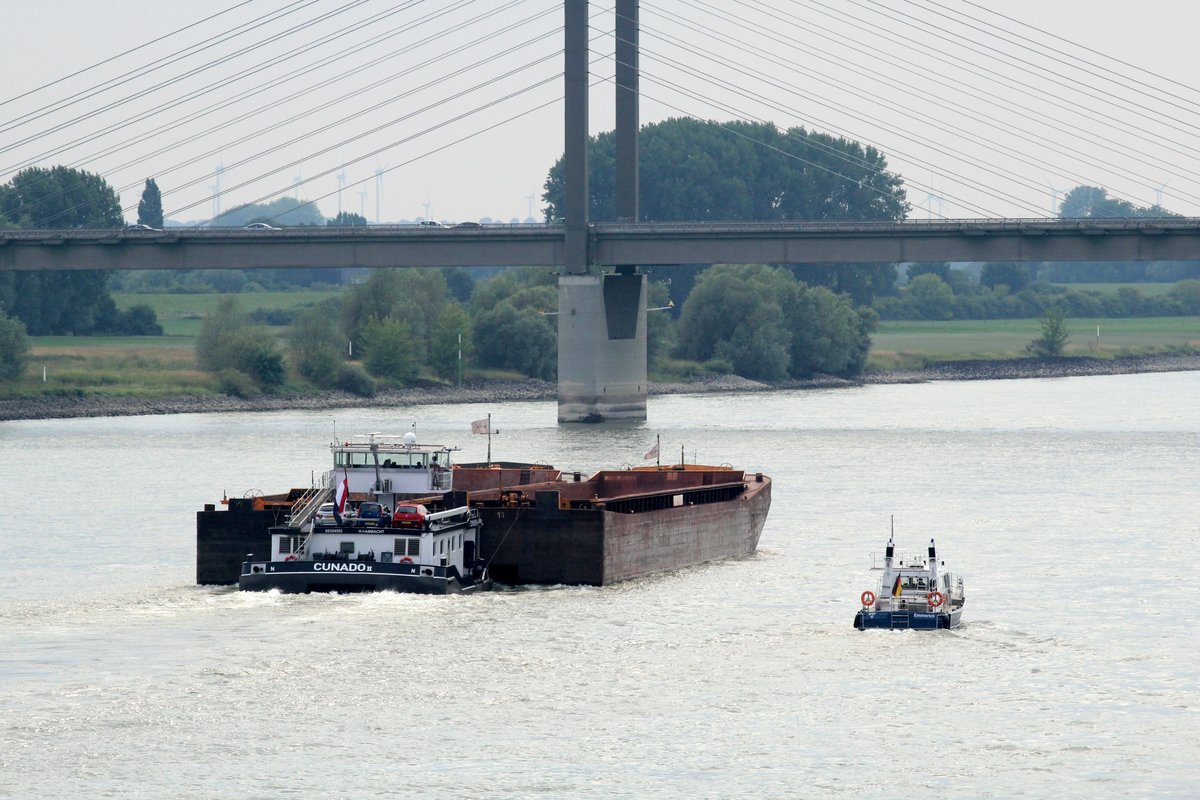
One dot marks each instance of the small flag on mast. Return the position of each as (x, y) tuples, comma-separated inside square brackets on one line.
[(653, 453), (481, 426), (896, 588)]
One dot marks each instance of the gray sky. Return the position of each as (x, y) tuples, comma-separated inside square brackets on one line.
[(988, 138)]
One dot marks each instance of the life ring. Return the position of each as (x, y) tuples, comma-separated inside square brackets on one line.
[(292, 557), (406, 560), (867, 597), (935, 599)]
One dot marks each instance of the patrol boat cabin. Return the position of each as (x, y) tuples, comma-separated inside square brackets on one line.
[(912, 594)]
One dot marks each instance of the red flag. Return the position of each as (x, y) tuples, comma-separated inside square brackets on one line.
[(343, 491)]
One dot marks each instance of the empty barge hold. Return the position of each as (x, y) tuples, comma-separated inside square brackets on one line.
[(620, 524)]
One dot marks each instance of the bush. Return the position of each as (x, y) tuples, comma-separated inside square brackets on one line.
[(237, 384), (226, 341), (354, 379), (1054, 335)]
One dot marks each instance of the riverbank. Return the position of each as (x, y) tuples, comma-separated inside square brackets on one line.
[(479, 391)]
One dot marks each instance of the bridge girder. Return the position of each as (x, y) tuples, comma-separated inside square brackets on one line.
[(650, 244)]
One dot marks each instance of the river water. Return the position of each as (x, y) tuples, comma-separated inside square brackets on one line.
[(1071, 506)]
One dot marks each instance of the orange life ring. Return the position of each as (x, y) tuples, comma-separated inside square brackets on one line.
[(935, 599), (406, 560), (867, 597), (292, 557)]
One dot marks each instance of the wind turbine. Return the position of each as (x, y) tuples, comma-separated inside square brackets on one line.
[(529, 197), (296, 181), (378, 190), (217, 190), (931, 196), (341, 179), (362, 203), (1053, 196), (427, 206), (1158, 193)]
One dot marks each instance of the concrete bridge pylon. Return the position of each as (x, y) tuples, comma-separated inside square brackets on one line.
[(601, 317)]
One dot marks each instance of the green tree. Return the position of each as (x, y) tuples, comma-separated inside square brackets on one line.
[(388, 347), (66, 302), (227, 342), (281, 211), (414, 295), (317, 346), (693, 170), (150, 211), (516, 339), (1187, 294), (660, 325), (1054, 336), (1014, 275), (930, 297), (60, 197), (14, 348), (451, 337), (347, 218), (770, 326), (939, 268)]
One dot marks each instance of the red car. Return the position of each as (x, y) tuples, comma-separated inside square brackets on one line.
[(409, 516)]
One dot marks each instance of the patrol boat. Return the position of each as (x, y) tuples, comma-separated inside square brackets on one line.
[(376, 538), (912, 594)]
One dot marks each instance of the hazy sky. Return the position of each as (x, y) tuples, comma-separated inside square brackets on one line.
[(460, 100)]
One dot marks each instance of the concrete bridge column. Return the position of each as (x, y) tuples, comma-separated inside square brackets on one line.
[(602, 348)]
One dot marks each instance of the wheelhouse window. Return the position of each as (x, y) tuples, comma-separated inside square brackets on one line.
[(289, 545), (408, 546)]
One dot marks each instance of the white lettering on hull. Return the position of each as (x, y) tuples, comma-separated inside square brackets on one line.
[(335, 566)]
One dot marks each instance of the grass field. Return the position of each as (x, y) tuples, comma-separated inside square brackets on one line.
[(1147, 289), (154, 366), (907, 344), (183, 314)]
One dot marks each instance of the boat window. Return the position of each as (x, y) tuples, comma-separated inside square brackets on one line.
[(288, 544), (347, 547), (408, 546)]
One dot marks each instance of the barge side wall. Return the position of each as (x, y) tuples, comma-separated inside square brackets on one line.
[(640, 544)]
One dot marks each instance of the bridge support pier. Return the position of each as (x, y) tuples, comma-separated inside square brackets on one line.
[(602, 348)]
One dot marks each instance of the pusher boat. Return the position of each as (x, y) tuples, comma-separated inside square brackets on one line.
[(912, 594), (336, 540)]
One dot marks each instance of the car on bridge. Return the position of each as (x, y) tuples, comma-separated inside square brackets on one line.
[(260, 226), (430, 223), (140, 228)]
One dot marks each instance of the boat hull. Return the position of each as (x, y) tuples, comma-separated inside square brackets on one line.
[(301, 577), (907, 620)]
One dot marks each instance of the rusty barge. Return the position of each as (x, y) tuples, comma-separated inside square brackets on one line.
[(539, 526)]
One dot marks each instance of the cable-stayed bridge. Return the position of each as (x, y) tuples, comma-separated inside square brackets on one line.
[(643, 244), (601, 319)]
